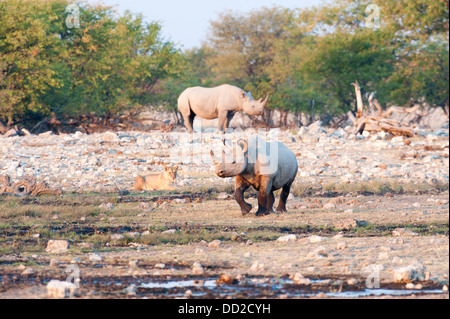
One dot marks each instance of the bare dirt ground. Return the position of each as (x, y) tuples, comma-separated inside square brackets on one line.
[(149, 262)]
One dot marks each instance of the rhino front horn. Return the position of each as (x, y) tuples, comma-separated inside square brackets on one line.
[(265, 100), (215, 159)]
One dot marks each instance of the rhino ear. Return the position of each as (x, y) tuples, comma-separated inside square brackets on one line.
[(244, 145)]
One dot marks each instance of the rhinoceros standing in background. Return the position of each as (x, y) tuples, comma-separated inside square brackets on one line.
[(218, 102), (266, 166)]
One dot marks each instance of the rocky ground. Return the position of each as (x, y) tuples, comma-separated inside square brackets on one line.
[(364, 210), (110, 161)]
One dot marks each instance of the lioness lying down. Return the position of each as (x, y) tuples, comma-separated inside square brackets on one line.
[(161, 181)]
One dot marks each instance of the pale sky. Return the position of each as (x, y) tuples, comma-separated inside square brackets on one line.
[(186, 22)]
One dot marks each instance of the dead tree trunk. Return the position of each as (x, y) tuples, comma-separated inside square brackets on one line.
[(365, 122)]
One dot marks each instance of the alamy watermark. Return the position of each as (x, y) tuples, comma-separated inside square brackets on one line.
[(73, 17), (373, 279), (74, 275), (373, 19)]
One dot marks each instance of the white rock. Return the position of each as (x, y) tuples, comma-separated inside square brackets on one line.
[(107, 206), (403, 232), (215, 243), (197, 269), (329, 206), (409, 273), (57, 246), (316, 239), (117, 237), (285, 238), (257, 266), (60, 289), (109, 137), (95, 258)]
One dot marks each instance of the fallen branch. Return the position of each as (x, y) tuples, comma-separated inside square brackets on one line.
[(376, 123)]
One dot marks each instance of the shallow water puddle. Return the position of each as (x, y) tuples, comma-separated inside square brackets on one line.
[(382, 292), (272, 287)]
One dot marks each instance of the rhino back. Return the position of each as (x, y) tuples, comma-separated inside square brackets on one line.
[(272, 159), (207, 102), (287, 166)]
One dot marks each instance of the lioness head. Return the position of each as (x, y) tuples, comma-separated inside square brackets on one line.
[(170, 172)]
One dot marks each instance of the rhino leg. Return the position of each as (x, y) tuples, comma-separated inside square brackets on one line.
[(189, 121), (240, 187), (263, 196), (283, 197), (270, 201), (230, 116), (222, 122)]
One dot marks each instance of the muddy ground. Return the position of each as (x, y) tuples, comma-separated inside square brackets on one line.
[(239, 256)]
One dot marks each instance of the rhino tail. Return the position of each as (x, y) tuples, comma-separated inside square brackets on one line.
[(184, 107)]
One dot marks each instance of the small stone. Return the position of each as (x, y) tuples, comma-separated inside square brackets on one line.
[(316, 239), (303, 281), (352, 281), (227, 279), (200, 251), (107, 206), (403, 232), (179, 201), (28, 271), (53, 263), (130, 290), (117, 237), (383, 255), (444, 288), (297, 276), (410, 285), (409, 273), (321, 251), (133, 263), (57, 246), (285, 238), (109, 137), (133, 235), (169, 231), (60, 289), (164, 205), (348, 224), (329, 206), (95, 258), (257, 266), (160, 266), (197, 269), (341, 245), (215, 244), (145, 206), (223, 196)]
